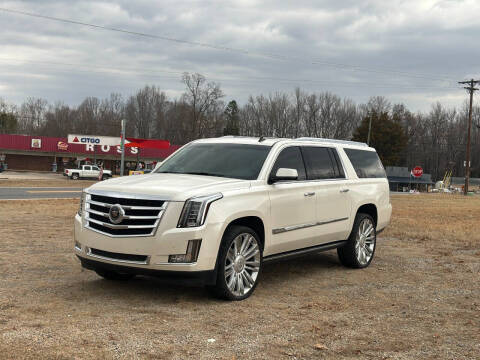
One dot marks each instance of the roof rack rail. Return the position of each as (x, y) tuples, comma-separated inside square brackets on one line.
[(346, 142)]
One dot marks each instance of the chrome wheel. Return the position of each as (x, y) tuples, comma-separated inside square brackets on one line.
[(242, 264), (365, 241)]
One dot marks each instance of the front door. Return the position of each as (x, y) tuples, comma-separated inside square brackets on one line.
[(292, 205)]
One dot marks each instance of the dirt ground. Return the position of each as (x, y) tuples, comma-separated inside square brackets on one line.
[(419, 299)]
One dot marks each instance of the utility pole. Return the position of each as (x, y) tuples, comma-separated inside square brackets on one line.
[(471, 89), (122, 146)]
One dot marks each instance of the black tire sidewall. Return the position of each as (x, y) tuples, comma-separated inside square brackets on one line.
[(347, 253), (221, 286)]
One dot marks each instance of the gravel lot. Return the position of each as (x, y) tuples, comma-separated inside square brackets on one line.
[(419, 299)]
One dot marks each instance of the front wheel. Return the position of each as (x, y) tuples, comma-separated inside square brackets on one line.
[(239, 264), (360, 247)]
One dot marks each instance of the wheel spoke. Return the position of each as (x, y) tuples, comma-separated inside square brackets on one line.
[(248, 279), (241, 285), (370, 240), (251, 252), (368, 250), (228, 272), (369, 230), (245, 245), (232, 283), (230, 255)]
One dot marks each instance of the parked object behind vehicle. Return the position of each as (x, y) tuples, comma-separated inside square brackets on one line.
[(217, 209), (87, 172)]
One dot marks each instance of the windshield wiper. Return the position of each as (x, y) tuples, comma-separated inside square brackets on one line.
[(204, 174)]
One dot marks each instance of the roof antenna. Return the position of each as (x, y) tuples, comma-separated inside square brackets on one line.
[(262, 138)]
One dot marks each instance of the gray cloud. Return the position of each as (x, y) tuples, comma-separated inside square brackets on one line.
[(432, 38)]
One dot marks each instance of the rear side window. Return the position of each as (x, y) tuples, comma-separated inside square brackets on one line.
[(318, 162), (290, 158), (366, 163), (87, 168)]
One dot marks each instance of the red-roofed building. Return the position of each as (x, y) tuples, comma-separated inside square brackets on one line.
[(25, 152)]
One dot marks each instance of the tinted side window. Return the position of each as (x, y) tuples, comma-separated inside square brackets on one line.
[(290, 158), (87, 168), (366, 163), (318, 162)]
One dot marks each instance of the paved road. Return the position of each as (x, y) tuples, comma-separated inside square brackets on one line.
[(38, 193)]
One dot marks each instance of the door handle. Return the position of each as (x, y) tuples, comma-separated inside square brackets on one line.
[(344, 190), (307, 194)]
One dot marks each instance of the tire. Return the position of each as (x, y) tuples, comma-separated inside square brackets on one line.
[(75, 176), (237, 275), (105, 177), (359, 250), (113, 275)]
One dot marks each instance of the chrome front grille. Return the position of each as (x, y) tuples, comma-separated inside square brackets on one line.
[(138, 217)]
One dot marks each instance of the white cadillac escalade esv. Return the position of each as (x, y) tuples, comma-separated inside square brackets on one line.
[(217, 209)]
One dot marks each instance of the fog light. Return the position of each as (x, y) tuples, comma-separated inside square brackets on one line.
[(78, 246), (191, 256)]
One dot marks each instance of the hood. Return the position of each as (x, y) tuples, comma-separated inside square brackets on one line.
[(174, 187)]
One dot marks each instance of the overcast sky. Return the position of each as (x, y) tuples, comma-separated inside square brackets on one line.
[(409, 51)]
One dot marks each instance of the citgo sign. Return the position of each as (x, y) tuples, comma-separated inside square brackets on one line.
[(94, 140)]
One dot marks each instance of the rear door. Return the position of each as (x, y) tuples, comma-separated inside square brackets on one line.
[(333, 205), (292, 205), (87, 171), (95, 171)]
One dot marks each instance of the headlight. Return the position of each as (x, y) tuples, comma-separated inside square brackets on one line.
[(195, 210), (82, 203)]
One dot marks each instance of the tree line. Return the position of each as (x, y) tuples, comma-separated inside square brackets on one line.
[(434, 140)]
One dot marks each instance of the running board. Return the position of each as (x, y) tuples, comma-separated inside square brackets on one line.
[(304, 251)]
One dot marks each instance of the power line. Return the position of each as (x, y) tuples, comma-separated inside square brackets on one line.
[(154, 73), (229, 49)]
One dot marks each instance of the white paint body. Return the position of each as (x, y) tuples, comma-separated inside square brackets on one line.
[(280, 205)]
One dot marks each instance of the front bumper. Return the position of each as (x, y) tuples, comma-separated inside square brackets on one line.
[(178, 277), (168, 240)]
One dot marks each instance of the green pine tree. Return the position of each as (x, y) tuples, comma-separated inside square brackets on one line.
[(8, 123), (387, 137), (232, 119)]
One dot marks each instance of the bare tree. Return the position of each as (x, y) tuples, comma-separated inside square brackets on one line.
[(201, 97), (142, 111), (32, 115)]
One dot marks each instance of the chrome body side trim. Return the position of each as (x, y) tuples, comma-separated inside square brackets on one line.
[(89, 253), (304, 226)]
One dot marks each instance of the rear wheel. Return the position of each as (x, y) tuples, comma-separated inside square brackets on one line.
[(239, 264), (75, 176), (113, 275), (360, 247)]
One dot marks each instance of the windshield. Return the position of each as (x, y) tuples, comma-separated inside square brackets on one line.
[(238, 161)]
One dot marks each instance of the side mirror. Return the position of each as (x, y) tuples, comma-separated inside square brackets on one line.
[(284, 174)]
